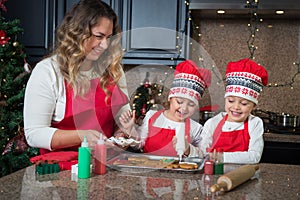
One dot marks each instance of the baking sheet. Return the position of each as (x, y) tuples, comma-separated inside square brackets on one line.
[(117, 164)]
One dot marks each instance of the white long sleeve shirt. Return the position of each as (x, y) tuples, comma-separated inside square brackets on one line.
[(256, 144), (163, 122), (45, 101)]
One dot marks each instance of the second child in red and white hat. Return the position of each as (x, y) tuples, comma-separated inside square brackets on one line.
[(157, 130), (236, 131)]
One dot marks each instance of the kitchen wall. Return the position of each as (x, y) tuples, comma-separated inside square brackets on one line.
[(278, 48), (224, 40)]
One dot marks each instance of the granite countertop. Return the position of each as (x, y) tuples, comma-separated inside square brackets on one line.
[(271, 181), (279, 137)]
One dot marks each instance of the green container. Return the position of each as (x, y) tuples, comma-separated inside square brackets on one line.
[(219, 168), (84, 162)]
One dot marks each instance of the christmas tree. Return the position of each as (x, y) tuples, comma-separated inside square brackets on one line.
[(14, 74), (147, 96)]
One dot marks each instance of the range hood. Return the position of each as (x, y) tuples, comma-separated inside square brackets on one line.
[(240, 4), (266, 8)]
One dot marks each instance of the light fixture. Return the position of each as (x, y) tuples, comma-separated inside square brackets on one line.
[(279, 12), (221, 11)]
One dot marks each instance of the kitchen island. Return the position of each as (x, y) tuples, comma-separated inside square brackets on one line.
[(271, 181)]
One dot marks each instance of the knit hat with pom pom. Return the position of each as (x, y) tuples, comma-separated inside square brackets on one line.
[(190, 81), (245, 78)]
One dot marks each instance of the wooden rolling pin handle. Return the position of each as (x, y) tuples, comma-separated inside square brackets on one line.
[(218, 186), (234, 178)]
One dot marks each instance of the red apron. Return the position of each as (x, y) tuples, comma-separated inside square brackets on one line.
[(91, 112), (159, 140), (237, 140)]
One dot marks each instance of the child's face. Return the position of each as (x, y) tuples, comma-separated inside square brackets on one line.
[(181, 108), (237, 108)]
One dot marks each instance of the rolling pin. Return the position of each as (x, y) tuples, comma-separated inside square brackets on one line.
[(234, 178)]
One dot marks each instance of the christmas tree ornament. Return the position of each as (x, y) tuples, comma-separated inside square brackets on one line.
[(3, 38), (18, 144), (15, 44), (143, 109), (2, 6), (27, 67)]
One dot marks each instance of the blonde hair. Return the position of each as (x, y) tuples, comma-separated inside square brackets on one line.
[(71, 35)]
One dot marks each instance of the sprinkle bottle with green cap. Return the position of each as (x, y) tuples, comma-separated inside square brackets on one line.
[(219, 164), (84, 160)]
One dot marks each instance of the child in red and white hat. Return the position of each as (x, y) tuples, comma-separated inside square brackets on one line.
[(158, 127), (236, 131)]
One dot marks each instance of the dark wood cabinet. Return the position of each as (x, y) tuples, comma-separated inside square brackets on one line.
[(281, 152), (38, 19), (154, 31)]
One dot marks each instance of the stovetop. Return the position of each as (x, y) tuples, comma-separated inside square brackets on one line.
[(281, 129)]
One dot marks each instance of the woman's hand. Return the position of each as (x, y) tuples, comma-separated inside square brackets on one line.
[(92, 136)]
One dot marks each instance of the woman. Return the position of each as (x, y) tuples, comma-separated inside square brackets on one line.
[(79, 89)]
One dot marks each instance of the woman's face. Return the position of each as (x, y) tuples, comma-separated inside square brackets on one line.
[(237, 108), (181, 108), (100, 39)]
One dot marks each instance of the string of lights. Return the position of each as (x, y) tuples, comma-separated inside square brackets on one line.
[(253, 29), (291, 83), (196, 34), (253, 26)]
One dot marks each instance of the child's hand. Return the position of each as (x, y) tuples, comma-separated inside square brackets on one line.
[(127, 121)]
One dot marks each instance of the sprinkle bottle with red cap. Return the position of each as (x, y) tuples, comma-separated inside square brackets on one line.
[(100, 157), (209, 163)]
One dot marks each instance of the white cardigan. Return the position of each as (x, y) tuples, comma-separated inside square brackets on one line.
[(45, 100)]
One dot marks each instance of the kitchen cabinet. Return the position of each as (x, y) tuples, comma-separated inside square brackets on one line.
[(154, 31), (69, 3), (38, 19), (281, 153), (283, 148)]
